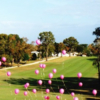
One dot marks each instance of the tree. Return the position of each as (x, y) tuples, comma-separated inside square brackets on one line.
[(14, 48), (41, 49), (79, 48), (97, 32), (26, 57), (3, 44), (71, 42), (51, 50), (17, 47), (97, 47), (93, 49), (83, 48), (4, 48), (47, 39), (67, 48), (61, 47), (56, 48)]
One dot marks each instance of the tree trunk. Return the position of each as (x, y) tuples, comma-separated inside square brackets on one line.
[(47, 54), (57, 54), (99, 77), (99, 67), (18, 63), (69, 54), (12, 62), (99, 73), (61, 54)]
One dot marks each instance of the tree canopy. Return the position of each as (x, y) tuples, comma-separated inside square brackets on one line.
[(47, 39), (96, 47), (14, 47), (71, 42), (97, 32)]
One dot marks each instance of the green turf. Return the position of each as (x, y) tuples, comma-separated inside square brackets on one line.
[(68, 67)]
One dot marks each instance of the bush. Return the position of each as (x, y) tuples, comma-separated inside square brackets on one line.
[(26, 57), (8, 58)]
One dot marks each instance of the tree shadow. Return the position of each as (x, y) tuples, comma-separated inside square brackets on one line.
[(70, 84), (92, 59), (92, 99)]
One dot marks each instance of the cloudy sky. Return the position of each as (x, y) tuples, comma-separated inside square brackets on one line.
[(64, 18)]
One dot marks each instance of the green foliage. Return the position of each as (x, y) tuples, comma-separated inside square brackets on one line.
[(82, 48), (79, 48), (41, 49), (88, 53), (96, 63), (51, 50), (97, 32), (56, 47), (14, 47), (97, 48), (71, 42), (84, 45), (47, 39), (61, 47), (3, 43), (26, 57), (8, 57)]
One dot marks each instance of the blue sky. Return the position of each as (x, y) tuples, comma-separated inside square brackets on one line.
[(64, 18)]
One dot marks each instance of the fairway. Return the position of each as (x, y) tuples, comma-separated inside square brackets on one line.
[(67, 66)]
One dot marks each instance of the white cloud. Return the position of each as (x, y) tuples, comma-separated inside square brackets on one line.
[(16, 24), (56, 2), (76, 8)]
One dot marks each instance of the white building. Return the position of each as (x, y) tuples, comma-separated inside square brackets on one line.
[(66, 55), (36, 52)]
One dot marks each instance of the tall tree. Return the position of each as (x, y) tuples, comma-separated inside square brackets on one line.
[(47, 39), (14, 48), (71, 42), (18, 47), (51, 50), (79, 48), (97, 32), (56, 48), (82, 48), (3, 44), (41, 49), (97, 47)]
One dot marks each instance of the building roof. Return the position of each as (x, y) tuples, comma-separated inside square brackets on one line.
[(34, 52)]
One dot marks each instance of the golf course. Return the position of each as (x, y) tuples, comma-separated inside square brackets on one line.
[(67, 66)]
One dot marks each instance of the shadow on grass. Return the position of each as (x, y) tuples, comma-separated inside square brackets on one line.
[(92, 59), (92, 99), (70, 82)]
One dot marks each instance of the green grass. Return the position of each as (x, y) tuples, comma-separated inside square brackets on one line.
[(67, 66)]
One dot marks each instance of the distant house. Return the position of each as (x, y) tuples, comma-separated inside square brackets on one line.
[(35, 52), (66, 55), (83, 55), (59, 55)]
